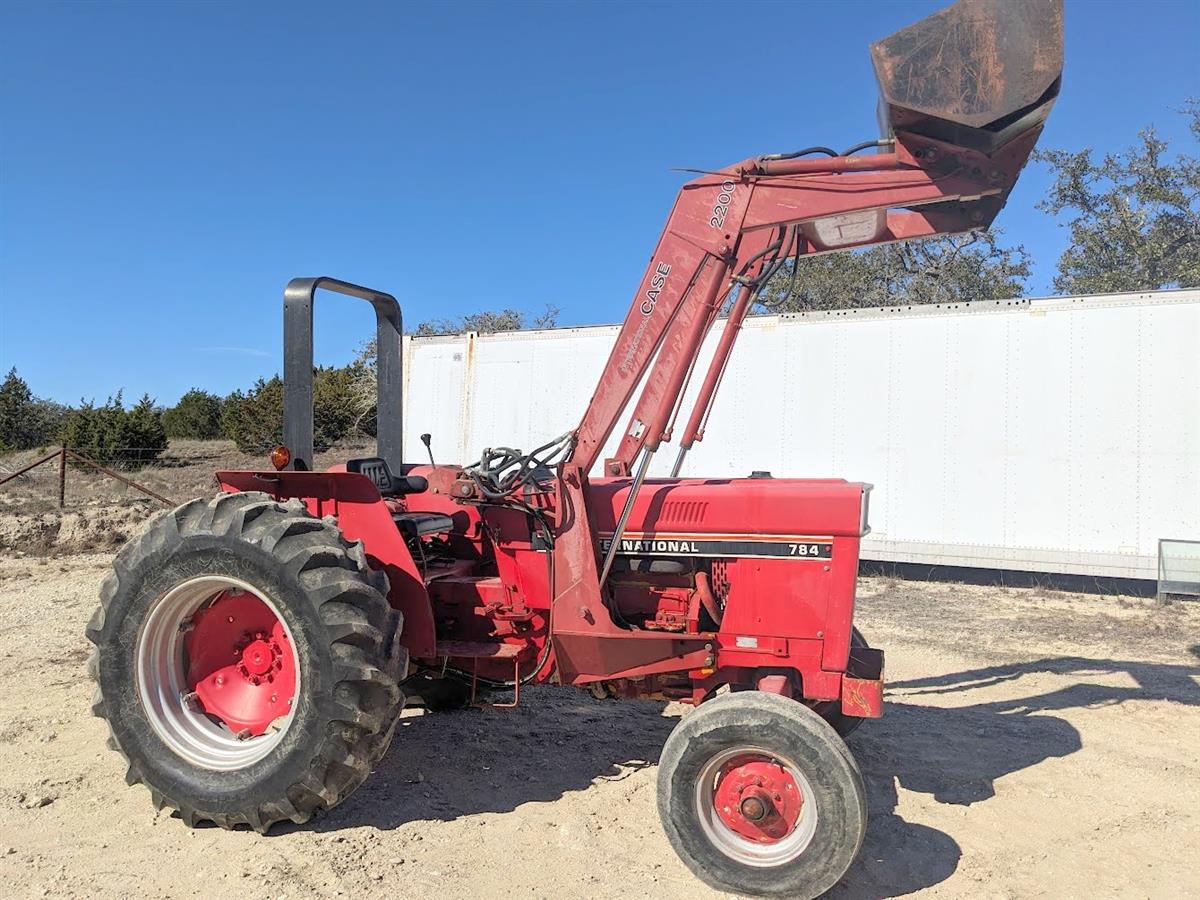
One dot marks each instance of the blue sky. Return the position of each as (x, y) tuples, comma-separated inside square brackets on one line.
[(166, 167)]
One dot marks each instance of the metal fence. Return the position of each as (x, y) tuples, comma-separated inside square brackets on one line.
[(41, 481), (64, 460)]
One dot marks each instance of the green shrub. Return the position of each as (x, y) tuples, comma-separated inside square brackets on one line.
[(112, 434), (336, 410), (25, 420), (197, 415), (142, 433), (254, 420)]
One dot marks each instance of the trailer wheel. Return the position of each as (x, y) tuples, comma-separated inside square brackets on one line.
[(247, 662), (759, 796)]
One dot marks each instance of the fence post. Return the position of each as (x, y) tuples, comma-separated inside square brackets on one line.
[(62, 478)]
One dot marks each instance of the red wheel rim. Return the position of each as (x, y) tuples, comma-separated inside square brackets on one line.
[(756, 806), (757, 798), (240, 663)]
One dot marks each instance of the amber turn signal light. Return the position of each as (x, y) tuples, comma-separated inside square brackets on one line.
[(280, 457)]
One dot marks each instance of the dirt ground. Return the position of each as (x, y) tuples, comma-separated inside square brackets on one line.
[(1036, 743)]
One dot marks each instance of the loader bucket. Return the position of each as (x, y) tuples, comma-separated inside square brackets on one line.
[(977, 74)]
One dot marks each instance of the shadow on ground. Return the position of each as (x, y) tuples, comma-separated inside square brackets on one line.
[(444, 766), (956, 754)]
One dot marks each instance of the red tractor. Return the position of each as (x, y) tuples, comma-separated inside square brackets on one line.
[(253, 650)]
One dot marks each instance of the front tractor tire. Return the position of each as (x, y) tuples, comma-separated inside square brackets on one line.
[(759, 796), (247, 662)]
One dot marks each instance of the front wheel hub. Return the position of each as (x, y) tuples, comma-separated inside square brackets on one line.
[(758, 799), (756, 806)]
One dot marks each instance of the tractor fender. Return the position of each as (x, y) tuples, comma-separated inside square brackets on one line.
[(361, 515)]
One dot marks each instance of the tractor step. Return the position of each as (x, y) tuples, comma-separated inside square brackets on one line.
[(478, 650)]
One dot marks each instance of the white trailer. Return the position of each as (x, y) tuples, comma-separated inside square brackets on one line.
[(1048, 435)]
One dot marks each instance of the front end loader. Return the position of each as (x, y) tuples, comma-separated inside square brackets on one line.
[(254, 649)]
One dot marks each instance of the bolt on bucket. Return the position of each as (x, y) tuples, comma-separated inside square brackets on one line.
[(977, 74)]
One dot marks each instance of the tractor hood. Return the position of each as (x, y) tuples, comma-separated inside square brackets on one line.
[(775, 507)]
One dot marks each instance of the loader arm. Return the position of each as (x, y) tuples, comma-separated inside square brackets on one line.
[(960, 123), (920, 188)]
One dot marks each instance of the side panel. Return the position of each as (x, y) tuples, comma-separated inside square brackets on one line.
[(516, 377), (437, 397)]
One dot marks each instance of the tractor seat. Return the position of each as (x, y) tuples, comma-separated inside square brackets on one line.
[(411, 524), (380, 473), (418, 524)]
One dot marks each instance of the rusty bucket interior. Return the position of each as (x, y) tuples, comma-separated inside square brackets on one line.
[(977, 74)]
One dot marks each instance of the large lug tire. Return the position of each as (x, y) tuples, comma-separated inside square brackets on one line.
[(200, 708), (759, 796)]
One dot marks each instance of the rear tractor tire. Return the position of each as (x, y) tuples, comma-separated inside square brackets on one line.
[(759, 796), (247, 662)]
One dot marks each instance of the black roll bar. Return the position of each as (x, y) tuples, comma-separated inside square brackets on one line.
[(298, 368)]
